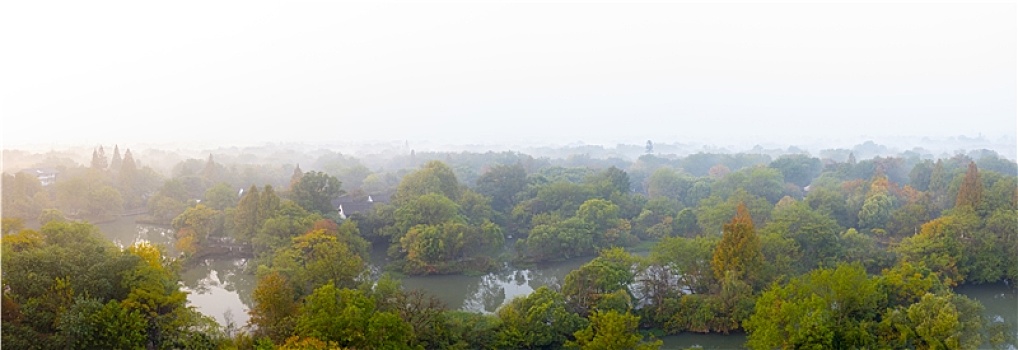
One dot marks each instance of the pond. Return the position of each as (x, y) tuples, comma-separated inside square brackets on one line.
[(222, 288)]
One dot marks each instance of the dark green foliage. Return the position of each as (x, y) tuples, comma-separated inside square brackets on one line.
[(315, 192), (540, 320), (350, 319), (587, 287), (612, 330), (70, 288), (800, 314), (798, 169), (757, 181), (815, 234), (502, 184)]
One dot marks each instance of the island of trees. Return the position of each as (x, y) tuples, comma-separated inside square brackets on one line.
[(796, 251)]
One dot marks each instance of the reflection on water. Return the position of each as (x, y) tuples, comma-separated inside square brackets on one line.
[(486, 293), (215, 287), (124, 232), (706, 341), (1000, 302), (221, 287)]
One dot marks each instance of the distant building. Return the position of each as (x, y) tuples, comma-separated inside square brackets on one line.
[(347, 205), (46, 176)]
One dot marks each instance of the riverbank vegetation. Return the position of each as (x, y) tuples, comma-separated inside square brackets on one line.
[(797, 251)]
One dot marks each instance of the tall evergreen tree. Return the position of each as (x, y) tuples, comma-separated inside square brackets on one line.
[(938, 185), (128, 175), (268, 203), (971, 191), (245, 218), (99, 159), (295, 178), (739, 248), (211, 170), (117, 161)]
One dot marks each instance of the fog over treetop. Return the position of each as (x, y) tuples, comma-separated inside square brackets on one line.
[(505, 73)]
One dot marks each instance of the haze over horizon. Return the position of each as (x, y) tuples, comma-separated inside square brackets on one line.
[(504, 73)]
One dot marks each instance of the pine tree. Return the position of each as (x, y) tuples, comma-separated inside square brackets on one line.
[(295, 178), (938, 185), (128, 164), (117, 161), (99, 159), (268, 203), (245, 218), (971, 191), (211, 170), (739, 248), (128, 175)]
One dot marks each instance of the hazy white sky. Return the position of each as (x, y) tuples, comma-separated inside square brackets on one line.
[(141, 71)]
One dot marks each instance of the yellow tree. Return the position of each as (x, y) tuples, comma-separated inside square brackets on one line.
[(739, 248), (971, 191), (275, 307)]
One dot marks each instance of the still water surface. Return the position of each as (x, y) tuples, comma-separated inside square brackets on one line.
[(222, 288)]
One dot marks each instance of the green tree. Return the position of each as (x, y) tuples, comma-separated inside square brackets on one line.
[(21, 196), (169, 201), (602, 216), (876, 212), (502, 183), (668, 183), (831, 203), (905, 220), (940, 179), (757, 181), (315, 192), (433, 177), (940, 245), (428, 209), (287, 222), (99, 161), (117, 161), (560, 240), (539, 320), (51, 215), (585, 287), (825, 309), (316, 258), (815, 234), (268, 204), (919, 177), (690, 259), (610, 181), (90, 324), (799, 169), (220, 196), (245, 217), (129, 176), (350, 319), (936, 321), (713, 212), (611, 330), (195, 225)]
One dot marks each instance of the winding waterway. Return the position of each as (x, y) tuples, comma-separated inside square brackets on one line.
[(222, 288)]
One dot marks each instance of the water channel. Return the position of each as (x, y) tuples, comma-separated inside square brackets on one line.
[(222, 288)]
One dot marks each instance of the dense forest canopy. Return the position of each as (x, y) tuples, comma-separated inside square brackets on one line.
[(849, 248)]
